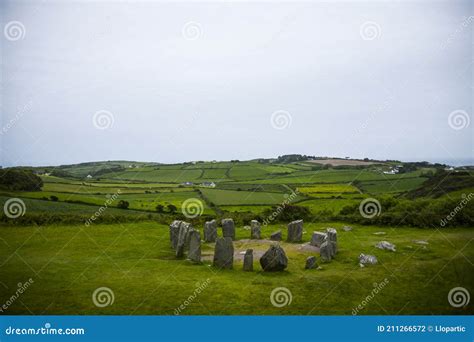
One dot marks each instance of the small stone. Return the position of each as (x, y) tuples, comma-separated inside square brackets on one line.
[(228, 228), (386, 246), (366, 259), (310, 263), (380, 233), (421, 242), (325, 251), (248, 260), (295, 231), (276, 236), (318, 238), (247, 227), (347, 228), (224, 253), (210, 231), (194, 253), (255, 229), (274, 259)]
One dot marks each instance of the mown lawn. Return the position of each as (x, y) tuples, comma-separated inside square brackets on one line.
[(67, 263)]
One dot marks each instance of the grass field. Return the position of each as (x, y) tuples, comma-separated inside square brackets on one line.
[(67, 263), (69, 260)]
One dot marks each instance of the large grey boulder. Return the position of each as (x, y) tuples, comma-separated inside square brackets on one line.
[(228, 228), (366, 259), (174, 232), (276, 236), (386, 246), (295, 231), (310, 263), (184, 228), (274, 259), (325, 251), (318, 238), (224, 253), (248, 260), (210, 231), (332, 239), (255, 229), (194, 253)]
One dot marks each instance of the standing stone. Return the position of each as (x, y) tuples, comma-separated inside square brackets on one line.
[(194, 253), (295, 231), (224, 253), (311, 263), (248, 260), (325, 251), (255, 229), (228, 228), (182, 238), (276, 236), (318, 238), (332, 239), (274, 259), (210, 231), (174, 232)]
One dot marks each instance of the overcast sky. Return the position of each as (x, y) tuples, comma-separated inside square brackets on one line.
[(170, 82)]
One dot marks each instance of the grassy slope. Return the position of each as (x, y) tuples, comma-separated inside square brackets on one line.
[(67, 263)]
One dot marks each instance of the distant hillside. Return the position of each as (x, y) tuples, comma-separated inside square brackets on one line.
[(443, 182)]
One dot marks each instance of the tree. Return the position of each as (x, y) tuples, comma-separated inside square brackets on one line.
[(160, 208), (172, 208), (123, 204)]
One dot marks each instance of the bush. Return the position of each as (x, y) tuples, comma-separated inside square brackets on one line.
[(20, 180), (123, 204)]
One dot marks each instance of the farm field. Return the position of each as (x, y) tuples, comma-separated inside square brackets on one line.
[(127, 248), (67, 263)]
